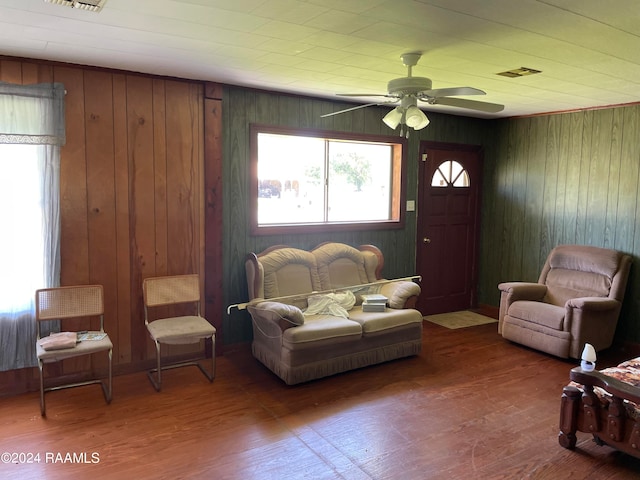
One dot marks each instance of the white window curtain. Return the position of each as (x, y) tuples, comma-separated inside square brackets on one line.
[(31, 133)]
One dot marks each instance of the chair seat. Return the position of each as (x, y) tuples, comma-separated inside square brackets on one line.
[(180, 330), (540, 313), (83, 348)]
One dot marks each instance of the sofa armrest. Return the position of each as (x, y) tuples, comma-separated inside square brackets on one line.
[(276, 313), (400, 293)]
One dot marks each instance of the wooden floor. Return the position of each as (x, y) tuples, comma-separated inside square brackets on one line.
[(471, 406)]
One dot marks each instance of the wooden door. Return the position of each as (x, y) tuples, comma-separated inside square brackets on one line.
[(448, 230)]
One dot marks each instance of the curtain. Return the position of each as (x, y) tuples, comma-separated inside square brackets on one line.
[(31, 133)]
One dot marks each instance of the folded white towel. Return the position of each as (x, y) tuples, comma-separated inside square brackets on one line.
[(59, 341)]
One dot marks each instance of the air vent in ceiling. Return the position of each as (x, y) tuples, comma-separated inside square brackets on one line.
[(90, 5), (519, 72)]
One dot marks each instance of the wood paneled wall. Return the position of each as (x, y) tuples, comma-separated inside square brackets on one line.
[(241, 107), (132, 196), (554, 179), (136, 190)]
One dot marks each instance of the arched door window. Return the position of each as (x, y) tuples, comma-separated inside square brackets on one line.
[(450, 173)]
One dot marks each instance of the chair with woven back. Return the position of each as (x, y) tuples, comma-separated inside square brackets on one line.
[(83, 303), (174, 291)]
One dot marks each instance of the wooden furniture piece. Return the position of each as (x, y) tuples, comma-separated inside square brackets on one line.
[(576, 300), (174, 291), (604, 404), (79, 302)]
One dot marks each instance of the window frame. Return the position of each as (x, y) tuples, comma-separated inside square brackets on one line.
[(399, 181)]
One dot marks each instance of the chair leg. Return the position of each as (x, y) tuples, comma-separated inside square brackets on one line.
[(157, 384), (156, 380), (42, 405), (108, 390), (213, 357)]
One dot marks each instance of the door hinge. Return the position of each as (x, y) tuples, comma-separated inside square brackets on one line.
[(424, 157)]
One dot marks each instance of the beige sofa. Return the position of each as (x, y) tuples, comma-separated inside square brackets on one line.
[(299, 347), (576, 300)]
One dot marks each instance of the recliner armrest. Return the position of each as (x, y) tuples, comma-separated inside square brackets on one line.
[(593, 303), (523, 290), (400, 292)]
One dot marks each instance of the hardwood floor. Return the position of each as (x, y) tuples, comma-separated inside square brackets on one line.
[(471, 406)]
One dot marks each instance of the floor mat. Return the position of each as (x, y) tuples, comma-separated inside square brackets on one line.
[(460, 319)]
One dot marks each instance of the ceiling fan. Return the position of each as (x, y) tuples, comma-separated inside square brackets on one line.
[(409, 90)]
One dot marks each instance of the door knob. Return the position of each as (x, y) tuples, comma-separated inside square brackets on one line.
[(426, 240)]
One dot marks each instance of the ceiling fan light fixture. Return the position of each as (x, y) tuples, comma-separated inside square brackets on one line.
[(393, 118), (415, 118)]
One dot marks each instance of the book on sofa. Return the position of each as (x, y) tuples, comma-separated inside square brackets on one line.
[(374, 302)]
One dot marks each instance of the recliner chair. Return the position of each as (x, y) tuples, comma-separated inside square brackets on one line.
[(576, 300)]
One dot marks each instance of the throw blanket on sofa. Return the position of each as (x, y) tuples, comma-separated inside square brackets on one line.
[(336, 304)]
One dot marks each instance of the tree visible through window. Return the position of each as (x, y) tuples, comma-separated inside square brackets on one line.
[(307, 179)]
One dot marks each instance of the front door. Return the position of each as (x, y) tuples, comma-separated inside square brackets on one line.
[(448, 226)]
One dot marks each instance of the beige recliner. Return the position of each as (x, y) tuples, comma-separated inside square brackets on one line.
[(577, 300)]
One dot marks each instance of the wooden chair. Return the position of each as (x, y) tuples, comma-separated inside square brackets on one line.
[(177, 330), (82, 302)]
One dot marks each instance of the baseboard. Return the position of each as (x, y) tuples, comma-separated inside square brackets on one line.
[(628, 349), (487, 310)]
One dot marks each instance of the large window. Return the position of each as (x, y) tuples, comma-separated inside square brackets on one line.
[(308, 179), (31, 133)]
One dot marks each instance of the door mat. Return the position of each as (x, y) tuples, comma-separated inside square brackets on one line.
[(460, 319)]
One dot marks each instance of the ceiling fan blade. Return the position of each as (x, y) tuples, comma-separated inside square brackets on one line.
[(452, 92), (363, 95), (470, 104), (348, 110)]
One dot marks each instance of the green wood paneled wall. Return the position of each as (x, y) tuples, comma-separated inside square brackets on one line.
[(241, 108), (554, 179)]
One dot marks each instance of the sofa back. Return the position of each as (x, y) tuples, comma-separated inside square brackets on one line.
[(574, 271), (283, 270), (341, 265)]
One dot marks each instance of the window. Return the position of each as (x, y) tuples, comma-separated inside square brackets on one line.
[(450, 173), (308, 179), (22, 253), (31, 133)]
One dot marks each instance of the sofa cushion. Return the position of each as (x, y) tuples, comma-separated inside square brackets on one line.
[(289, 271), (322, 327), (378, 321), (574, 271), (544, 314), (340, 265)]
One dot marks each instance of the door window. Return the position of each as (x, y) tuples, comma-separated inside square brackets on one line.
[(450, 173)]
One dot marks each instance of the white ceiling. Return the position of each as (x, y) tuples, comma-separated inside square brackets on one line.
[(588, 50)]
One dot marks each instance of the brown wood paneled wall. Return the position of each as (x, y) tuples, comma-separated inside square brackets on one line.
[(132, 193), (561, 179)]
